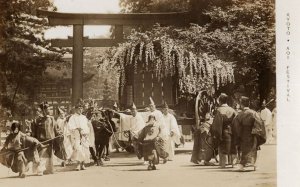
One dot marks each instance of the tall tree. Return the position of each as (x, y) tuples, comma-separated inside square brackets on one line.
[(143, 6), (95, 86), (245, 32), (25, 53)]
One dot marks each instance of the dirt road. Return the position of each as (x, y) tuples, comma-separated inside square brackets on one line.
[(126, 170)]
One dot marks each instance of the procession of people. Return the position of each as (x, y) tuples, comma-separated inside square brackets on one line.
[(231, 137), (236, 135)]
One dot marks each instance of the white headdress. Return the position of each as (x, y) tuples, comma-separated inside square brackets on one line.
[(133, 106), (151, 101)]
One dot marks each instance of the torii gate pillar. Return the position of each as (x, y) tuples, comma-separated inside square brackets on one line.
[(77, 65)]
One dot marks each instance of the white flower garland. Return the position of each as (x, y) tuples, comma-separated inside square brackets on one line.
[(195, 71)]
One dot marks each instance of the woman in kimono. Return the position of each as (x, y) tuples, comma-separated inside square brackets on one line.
[(207, 144), (152, 144)]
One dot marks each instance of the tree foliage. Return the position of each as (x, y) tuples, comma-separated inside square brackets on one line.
[(245, 32), (242, 31), (138, 6), (102, 79), (25, 53)]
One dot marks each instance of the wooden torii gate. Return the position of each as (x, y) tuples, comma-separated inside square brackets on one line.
[(78, 42)]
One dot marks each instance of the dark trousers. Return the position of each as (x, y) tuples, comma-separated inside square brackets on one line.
[(21, 163), (93, 153), (196, 147)]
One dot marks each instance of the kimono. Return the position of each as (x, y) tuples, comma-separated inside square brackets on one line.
[(171, 127), (44, 128), (13, 158), (222, 131), (249, 133), (204, 144), (152, 145), (78, 124)]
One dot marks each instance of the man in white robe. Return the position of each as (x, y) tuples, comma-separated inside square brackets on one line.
[(173, 132), (137, 122), (266, 116), (92, 146), (78, 124), (133, 123), (159, 118), (124, 126), (63, 125)]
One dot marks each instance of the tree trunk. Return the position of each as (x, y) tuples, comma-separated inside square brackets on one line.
[(15, 94)]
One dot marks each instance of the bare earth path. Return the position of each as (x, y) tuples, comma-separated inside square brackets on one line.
[(126, 170)]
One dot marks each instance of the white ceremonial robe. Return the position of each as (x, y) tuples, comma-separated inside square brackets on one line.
[(145, 115), (172, 126), (63, 125), (137, 123), (124, 126), (266, 116), (91, 135), (113, 141), (161, 122), (133, 123), (78, 124)]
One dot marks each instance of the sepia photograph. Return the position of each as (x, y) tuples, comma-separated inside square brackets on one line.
[(121, 93)]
